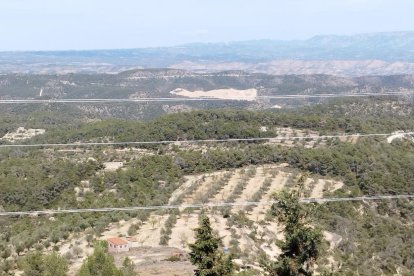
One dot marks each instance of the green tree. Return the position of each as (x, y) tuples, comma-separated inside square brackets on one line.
[(6, 266), (55, 265), (89, 239), (205, 254), (19, 247), (5, 251), (301, 246), (49, 265), (33, 264), (100, 263), (128, 267)]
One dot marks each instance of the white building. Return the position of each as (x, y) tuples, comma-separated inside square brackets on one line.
[(117, 245)]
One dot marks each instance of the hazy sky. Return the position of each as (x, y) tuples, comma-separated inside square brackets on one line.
[(97, 24)]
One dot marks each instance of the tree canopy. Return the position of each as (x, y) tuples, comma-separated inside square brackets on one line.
[(301, 245), (205, 252)]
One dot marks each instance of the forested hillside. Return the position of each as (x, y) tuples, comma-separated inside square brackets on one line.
[(163, 83), (159, 83), (374, 235)]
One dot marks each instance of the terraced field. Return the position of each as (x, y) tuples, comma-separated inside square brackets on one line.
[(244, 229)]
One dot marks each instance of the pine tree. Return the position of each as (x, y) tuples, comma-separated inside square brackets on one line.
[(55, 265), (33, 264), (128, 267), (301, 247), (46, 265), (205, 254), (100, 263)]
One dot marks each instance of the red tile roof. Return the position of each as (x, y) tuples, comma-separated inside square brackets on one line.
[(117, 241)]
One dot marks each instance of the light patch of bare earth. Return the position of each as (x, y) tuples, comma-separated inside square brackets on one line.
[(219, 224), (190, 181), (323, 185), (278, 182), (198, 196), (350, 139), (131, 149), (112, 166), (253, 185), (183, 233), (289, 137), (271, 232), (22, 134), (317, 191), (82, 246), (226, 94), (332, 238), (118, 229), (84, 187), (153, 261), (399, 135), (150, 232), (225, 192)]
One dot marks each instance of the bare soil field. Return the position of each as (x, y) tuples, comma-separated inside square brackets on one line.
[(227, 94), (112, 166), (79, 249), (153, 261), (22, 134), (150, 232), (183, 231), (276, 185), (252, 186)]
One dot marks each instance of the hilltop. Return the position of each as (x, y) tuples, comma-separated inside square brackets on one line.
[(363, 235)]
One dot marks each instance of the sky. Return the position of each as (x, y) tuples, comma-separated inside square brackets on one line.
[(109, 24)]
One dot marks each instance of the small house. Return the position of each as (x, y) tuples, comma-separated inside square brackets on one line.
[(117, 245)]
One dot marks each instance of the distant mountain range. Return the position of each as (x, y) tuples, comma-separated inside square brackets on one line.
[(362, 54)]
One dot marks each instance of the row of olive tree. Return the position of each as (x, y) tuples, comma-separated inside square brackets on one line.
[(300, 249)]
